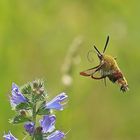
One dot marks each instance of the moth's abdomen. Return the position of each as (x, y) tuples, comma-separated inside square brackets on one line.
[(118, 77), (123, 84), (115, 75)]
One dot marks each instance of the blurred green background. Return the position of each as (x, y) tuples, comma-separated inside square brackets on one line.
[(36, 37)]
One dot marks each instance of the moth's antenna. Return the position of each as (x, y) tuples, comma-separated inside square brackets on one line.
[(106, 43), (97, 50)]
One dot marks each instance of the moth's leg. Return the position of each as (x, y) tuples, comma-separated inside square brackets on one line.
[(103, 74), (98, 69), (105, 81)]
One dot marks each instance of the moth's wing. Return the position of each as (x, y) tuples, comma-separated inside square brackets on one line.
[(90, 72)]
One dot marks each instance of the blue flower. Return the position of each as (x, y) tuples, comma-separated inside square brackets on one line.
[(57, 135), (30, 127), (56, 102), (47, 123), (17, 96), (9, 136)]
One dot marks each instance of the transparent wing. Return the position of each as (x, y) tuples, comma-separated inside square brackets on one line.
[(90, 72)]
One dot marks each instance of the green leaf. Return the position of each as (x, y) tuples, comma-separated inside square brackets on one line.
[(43, 111), (38, 97), (38, 137), (19, 119), (25, 105), (27, 89), (38, 134)]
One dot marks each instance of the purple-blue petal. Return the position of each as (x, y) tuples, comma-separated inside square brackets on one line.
[(57, 135), (30, 127), (16, 97), (15, 88), (48, 123), (55, 103), (9, 136), (62, 96)]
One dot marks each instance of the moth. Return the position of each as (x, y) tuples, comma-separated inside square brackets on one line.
[(107, 68)]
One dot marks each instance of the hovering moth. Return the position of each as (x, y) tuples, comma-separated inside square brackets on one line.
[(108, 68)]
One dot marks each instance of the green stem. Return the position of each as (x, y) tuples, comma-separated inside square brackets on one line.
[(34, 116)]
